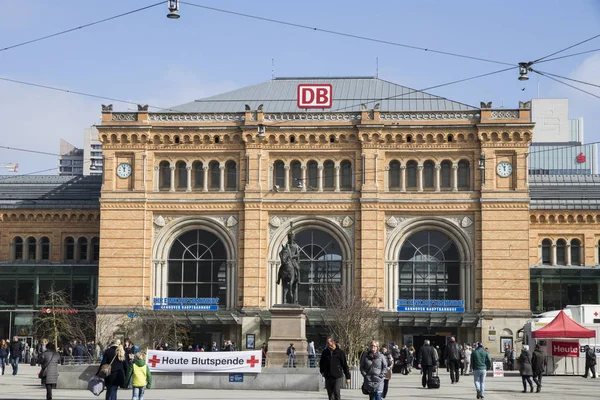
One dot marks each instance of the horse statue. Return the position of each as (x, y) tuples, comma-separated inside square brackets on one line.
[(289, 271)]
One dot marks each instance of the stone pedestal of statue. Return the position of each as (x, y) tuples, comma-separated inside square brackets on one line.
[(288, 325)]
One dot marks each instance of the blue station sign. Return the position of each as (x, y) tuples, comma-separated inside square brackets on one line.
[(186, 303), (430, 306)]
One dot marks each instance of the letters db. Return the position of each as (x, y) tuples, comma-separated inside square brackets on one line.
[(315, 96)]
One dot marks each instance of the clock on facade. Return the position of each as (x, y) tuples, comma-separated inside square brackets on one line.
[(124, 170), (504, 169)]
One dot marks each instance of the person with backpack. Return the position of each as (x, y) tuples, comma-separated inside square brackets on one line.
[(291, 354), (480, 362), (112, 369), (16, 352), (140, 376), (590, 361)]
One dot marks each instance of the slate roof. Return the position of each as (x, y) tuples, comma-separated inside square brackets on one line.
[(279, 95), (50, 192), (564, 192)]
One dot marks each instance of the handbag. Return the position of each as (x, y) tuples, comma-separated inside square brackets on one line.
[(96, 385), (106, 368), (44, 371)]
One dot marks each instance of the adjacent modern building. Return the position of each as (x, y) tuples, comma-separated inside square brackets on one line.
[(70, 161), (92, 152)]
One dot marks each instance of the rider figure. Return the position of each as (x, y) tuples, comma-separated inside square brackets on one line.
[(290, 256)]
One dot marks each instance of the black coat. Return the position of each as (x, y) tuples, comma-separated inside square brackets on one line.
[(590, 357), (117, 371), (428, 356), (333, 364), (453, 352), (16, 349), (537, 362)]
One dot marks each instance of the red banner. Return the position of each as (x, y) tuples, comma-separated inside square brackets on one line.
[(565, 349)]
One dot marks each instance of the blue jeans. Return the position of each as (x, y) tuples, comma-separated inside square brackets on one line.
[(375, 396), (479, 378), (138, 393), (14, 362), (111, 392), (2, 364)]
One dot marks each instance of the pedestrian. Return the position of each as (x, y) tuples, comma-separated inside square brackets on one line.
[(462, 360), (213, 346), (291, 354), (453, 351), (373, 366), (115, 356), (16, 351), (3, 354), (480, 362), (388, 372), (538, 362), (428, 362), (263, 349), (467, 359), (411, 352), (49, 373), (333, 366), (310, 350), (513, 357), (590, 361), (525, 369), (140, 376)]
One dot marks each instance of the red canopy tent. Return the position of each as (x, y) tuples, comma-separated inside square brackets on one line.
[(563, 327)]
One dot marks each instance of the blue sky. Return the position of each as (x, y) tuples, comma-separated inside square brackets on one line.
[(147, 58)]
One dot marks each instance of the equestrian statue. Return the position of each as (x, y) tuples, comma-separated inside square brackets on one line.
[(289, 271)]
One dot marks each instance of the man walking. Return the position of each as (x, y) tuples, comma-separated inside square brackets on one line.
[(480, 362), (428, 361), (590, 361), (333, 366), (537, 364), (454, 360), (16, 351), (310, 350)]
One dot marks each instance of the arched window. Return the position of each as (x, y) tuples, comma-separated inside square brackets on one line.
[(215, 175), (18, 245), (464, 174), (411, 174), (428, 171), (346, 171), (446, 173), (575, 252), (198, 173), (313, 175), (394, 175), (83, 248), (164, 175), (320, 266), (231, 175), (69, 249), (31, 249), (181, 175), (296, 183), (561, 252), (279, 174), (95, 249), (328, 175), (547, 252), (45, 248), (197, 266), (429, 267)]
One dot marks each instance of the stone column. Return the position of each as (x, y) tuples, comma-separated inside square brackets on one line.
[(438, 176), (320, 177), (454, 177), (568, 255), (90, 250), (221, 177), (304, 180), (376, 155), (205, 179), (553, 255), (420, 177), (156, 177), (581, 254), (75, 251), (386, 179), (188, 167), (337, 177), (287, 177), (403, 177), (38, 250), (172, 189), (271, 177)]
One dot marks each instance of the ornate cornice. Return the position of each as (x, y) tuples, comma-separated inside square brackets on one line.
[(564, 217), (49, 216)]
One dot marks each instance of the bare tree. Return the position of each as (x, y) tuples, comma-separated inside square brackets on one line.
[(352, 320)]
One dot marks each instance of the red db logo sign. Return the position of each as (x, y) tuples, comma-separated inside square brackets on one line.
[(315, 96)]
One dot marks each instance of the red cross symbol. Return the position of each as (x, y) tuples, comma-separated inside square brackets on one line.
[(252, 361), (596, 314), (153, 361)]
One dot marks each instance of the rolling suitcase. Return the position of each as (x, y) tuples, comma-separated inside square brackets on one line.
[(434, 381)]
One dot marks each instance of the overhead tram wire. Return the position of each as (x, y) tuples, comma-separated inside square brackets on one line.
[(567, 56), (565, 49), (80, 27), (350, 35), (30, 151), (570, 79), (565, 83)]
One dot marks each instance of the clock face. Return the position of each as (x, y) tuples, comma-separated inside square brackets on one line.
[(124, 170), (504, 169)]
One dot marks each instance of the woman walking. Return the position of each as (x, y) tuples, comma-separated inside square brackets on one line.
[(3, 354), (525, 368), (115, 356), (388, 371), (372, 367), (49, 372)]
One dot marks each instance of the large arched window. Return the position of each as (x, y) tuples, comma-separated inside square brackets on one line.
[(45, 248), (428, 171), (181, 175), (547, 252), (296, 183), (464, 174), (394, 175), (561, 252), (18, 245), (313, 175), (328, 175), (31, 249), (429, 267), (164, 175), (231, 175), (320, 266), (82, 242), (197, 266), (411, 174), (346, 171), (575, 252), (446, 173), (69, 254), (198, 174), (278, 174), (215, 175)]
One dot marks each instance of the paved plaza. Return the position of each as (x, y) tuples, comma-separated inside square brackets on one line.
[(26, 386)]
